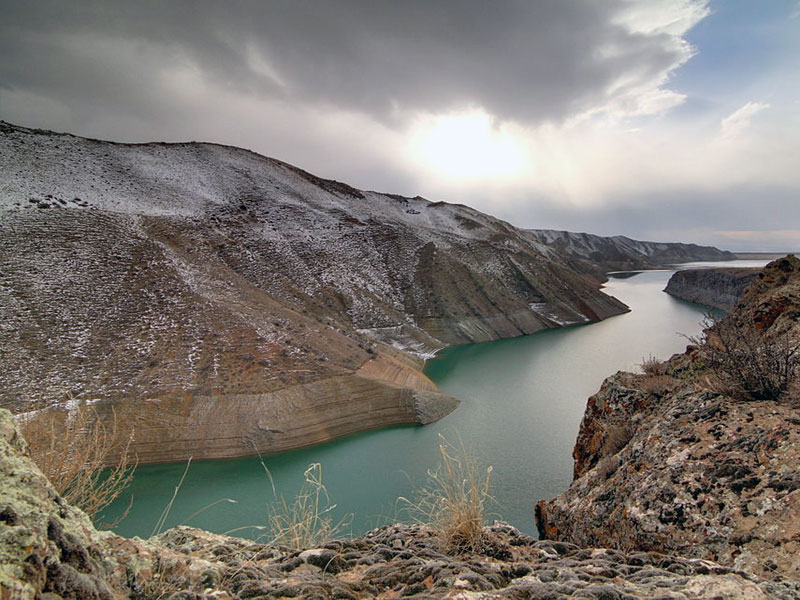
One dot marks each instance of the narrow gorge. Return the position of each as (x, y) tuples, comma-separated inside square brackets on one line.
[(221, 303)]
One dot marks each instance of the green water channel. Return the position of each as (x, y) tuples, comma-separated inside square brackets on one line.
[(522, 400)]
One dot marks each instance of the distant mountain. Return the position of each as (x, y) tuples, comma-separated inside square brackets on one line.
[(222, 302), (586, 251)]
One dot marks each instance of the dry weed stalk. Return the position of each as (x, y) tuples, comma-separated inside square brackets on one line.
[(72, 451), (657, 384), (455, 500), (617, 437), (166, 579), (306, 521)]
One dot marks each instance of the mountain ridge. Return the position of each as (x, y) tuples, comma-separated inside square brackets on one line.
[(622, 253)]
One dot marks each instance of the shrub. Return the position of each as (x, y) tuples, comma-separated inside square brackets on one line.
[(745, 362), (72, 451), (454, 501), (651, 366), (617, 437), (606, 467)]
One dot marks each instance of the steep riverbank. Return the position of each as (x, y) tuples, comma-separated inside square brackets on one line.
[(719, 288), (599, 254), (522, 400), (673, 460)]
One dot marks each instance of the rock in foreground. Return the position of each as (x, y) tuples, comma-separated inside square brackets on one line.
[(668, 462), (51, 550)]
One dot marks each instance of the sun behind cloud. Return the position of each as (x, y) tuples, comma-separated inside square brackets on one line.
[(465, 146)]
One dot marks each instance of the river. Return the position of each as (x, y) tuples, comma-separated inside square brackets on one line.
[(522, 402)]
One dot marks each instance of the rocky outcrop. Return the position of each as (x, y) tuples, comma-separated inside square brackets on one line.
[(225, 302), (719, 288), (50, 550), (619, 253), (667, 461)]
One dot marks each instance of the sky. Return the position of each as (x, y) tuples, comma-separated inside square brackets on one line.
[(667, 120)]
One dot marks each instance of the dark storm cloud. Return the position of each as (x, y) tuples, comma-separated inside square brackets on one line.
[(526, 61)]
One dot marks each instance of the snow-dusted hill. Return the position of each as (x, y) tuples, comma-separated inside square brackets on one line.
[(621, 253), (223, 301)]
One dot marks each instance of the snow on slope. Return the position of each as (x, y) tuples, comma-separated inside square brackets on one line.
[(288, 208), (154, 269), (190, 179), (623, 252)]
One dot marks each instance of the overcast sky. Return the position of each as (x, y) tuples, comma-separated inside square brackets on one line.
[(673, 120)]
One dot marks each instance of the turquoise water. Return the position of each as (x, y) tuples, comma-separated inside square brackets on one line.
[(521, 404)]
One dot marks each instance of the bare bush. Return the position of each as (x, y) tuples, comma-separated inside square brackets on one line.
[(72, 451), (606, 467), (652, 366), (455, 500), (746, 363)]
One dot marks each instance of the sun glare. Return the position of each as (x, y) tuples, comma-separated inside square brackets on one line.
[(465, 146)]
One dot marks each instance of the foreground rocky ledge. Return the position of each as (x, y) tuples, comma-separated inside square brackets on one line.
[(684, 471), (50, 550)]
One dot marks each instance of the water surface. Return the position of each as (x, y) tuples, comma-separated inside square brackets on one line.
[(521, 404)]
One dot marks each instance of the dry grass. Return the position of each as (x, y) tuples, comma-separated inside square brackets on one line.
[(162, 583), (657, 384), (455, 500), (72, 450), (617, 437), (651, 366), (305, 521), (606, 467)]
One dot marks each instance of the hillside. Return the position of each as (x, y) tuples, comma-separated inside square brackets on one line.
[(222, 302)]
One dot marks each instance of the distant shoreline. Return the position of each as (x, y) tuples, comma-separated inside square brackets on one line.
[(757, 255)]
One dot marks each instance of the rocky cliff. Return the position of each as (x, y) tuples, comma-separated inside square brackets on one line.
[(587, 251), (221, 302), (672, 461), (719, 288), (50, 550)]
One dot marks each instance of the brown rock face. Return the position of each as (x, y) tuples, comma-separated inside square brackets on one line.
[(664, 462), (719, 288)]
